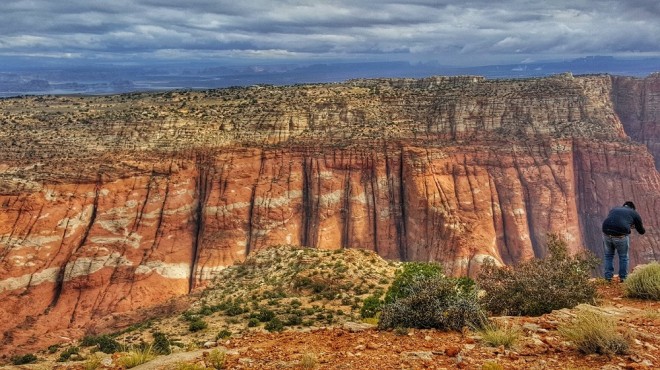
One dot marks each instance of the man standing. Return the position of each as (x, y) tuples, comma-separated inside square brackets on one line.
[(616, 237)]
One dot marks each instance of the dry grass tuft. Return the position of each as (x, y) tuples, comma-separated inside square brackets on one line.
[(593, 332), (308, 361), (490, 365), (136, 357), (216, 359), (644, 282), (187, 366), (495, 335), (92, 363)]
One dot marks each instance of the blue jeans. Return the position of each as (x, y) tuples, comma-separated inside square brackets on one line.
[(619, 245)]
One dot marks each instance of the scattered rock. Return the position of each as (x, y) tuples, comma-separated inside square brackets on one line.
[(372, 345), (452, 351), (355, 327), (419, 355)]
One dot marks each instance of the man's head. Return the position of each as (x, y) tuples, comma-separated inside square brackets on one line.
[(629, 204)]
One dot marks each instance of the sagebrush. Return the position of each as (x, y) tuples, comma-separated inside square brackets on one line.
[(539, 286), (433, 302), (407, 275)]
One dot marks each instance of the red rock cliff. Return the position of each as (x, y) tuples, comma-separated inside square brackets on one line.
[(114, 204)]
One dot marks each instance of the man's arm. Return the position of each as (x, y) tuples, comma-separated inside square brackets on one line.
[(638, 223)]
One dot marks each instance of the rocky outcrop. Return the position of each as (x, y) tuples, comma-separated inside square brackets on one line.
[(114, 204)]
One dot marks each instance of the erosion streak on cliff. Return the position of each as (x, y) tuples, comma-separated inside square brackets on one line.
[(454, 169)]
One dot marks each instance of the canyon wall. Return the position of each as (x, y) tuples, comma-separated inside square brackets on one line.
[(111, 205)]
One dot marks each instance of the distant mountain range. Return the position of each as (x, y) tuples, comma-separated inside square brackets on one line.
[(26, 77)]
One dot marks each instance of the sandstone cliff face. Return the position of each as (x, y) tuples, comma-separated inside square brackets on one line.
[(636, 103), (114, 204)]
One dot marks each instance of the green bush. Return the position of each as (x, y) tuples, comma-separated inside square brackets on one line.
[(234, 309), (197, 325), (105, 343), (538, 286), (407, 275), (161, 344), (223, 334), (27, 358), (370, 307), (293, 319), (433, 302), (644, 282), (274, 324), (265, 315), (67, 353)]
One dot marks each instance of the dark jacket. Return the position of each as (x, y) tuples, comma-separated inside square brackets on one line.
[(619, 221)]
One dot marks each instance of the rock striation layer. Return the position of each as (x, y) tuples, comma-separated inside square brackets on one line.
[(116, 204)]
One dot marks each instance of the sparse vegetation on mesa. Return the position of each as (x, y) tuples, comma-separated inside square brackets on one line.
[(276, 289)]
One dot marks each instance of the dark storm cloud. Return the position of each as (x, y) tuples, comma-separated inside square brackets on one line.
[(449, 31)]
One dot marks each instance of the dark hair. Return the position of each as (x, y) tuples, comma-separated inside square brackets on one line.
[(629, 204)]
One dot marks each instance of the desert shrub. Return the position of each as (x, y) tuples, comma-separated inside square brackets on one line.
[(433, 302), (265, 315), (370, 306), (644, 282), (253, 322), (407, 275), (495, 335), (27, 358), (538, 286), (274, 324), (593, 332), (223, 334), (105, 343), (293, 319), (234, 309), (216, 359), (67, 353), (161, 345), (136, 357), (197, 325)]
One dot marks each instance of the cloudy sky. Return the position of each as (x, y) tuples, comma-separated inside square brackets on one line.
[(465, 32)]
